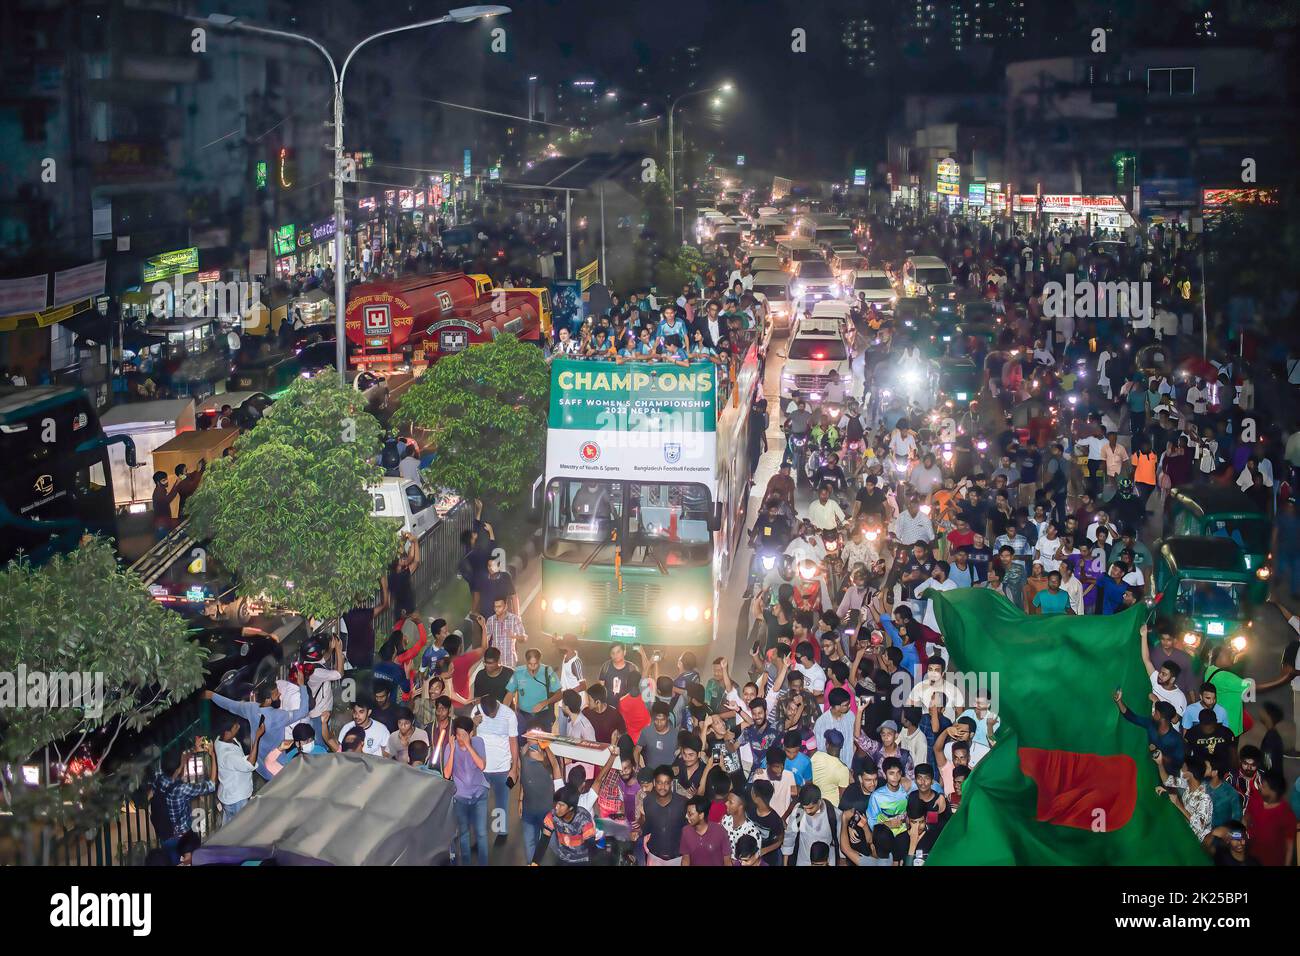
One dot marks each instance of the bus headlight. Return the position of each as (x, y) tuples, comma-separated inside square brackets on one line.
[(560, 605), (1263, 573), (575, 608), (675, 613), (692, 613), (1239, 643)]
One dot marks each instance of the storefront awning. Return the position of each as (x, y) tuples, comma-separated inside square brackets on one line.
[(43, 318)]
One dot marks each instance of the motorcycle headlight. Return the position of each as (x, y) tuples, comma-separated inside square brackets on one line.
[(807, 570), (873, 535), (1191, 638), (982, 445), (1263, 573), (925, 509), (1239, 643), (769, 562), (947, 456), (911, 376)]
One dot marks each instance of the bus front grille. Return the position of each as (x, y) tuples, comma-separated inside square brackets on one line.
[(635, 598)]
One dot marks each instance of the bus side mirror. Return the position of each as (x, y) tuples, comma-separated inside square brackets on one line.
[(715, 519)]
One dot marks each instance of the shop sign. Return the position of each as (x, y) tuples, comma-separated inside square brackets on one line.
[(859, 177), (285, 240), (949, 178), (975, 194), (169, 264), (321, 231)]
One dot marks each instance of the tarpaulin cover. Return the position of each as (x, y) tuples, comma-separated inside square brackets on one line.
[(341, 809)]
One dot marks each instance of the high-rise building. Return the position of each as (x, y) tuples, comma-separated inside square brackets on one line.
[(859, 38)]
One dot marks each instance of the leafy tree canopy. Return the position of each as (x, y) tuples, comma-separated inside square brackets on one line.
[(290, 514), (485, 411)]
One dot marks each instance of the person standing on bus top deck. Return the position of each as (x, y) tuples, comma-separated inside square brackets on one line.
[(670, 325), (163, 521)]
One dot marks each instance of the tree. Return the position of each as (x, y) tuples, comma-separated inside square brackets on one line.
[(485, 411), (289, 514), (82, 615)]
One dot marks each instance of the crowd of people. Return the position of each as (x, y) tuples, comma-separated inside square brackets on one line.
[(1046, 486)]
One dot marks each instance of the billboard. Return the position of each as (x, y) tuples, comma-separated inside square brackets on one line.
[(174, 263), (859, 177), (976, 194), (633, 422), (948, 178)]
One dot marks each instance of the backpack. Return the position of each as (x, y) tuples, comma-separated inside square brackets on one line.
[(829, 809)]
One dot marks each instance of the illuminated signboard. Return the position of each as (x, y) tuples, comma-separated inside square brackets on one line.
[(1225, 197), (168, 264), (322, 230), (949, 178), (406, 199), (859, 177), (212, 275), (367, 205), (259, 174), (975, 194), (468, 168), (285, 240)]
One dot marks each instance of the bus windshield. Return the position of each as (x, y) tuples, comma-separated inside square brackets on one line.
[(651, 524)]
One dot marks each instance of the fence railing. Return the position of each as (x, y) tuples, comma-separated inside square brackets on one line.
[(440, 553)]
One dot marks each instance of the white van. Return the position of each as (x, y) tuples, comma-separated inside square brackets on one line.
[(797, 250), (817, 347), (406, 501), (775, 287), (927, 275)]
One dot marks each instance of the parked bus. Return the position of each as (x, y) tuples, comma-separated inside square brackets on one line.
[(647, 484), (56, 484)]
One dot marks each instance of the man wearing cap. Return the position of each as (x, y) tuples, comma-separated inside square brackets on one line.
[(829, 774), (885, 747)]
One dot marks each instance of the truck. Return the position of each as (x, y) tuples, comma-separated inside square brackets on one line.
[(148, 425), (415, 320)]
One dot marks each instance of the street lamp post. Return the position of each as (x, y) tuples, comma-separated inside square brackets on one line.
[(458, 15), (672, 168)]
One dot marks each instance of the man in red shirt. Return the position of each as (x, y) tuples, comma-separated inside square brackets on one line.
[(1271, 822), (636, 716), (461, 665)]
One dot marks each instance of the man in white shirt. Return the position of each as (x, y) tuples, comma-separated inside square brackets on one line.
[(376, 733), (937, 581), (1102, 521), (825, 513), (234, 767), (912, 526), (929, 691), (498, 727), (321, 684)]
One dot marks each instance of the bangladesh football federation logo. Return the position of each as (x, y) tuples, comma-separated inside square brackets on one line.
[(589, 451), (672, 452)]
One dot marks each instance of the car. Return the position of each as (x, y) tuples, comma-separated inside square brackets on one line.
[(775, 287), (1202, 586), (765, 264), (814, 280), (837, 310), (959, 381), (875, 287), (846, 265), (817, 348), (928, 276)]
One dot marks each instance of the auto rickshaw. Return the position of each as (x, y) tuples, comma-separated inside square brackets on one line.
[(1203, 588), (1225, 512)]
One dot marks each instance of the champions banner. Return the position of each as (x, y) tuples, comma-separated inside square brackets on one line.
[(636, 422)]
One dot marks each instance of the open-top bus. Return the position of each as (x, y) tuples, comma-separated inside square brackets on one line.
[(647, 480), (56, 484)]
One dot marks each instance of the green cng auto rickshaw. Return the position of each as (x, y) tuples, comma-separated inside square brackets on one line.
[(1202, 587), (1225, 513)]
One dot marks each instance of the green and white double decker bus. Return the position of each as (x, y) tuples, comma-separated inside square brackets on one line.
[(647, 480)]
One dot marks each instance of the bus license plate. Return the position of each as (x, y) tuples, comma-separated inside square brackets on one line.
[(1216, 629), (622, 630)]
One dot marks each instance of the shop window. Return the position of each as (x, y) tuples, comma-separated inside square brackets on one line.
[(1172, 81)]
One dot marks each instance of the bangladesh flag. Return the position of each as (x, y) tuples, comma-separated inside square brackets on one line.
[(1069, 781)]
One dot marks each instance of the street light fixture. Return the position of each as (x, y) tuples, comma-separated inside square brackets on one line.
[(725, 87), (458, 15)]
